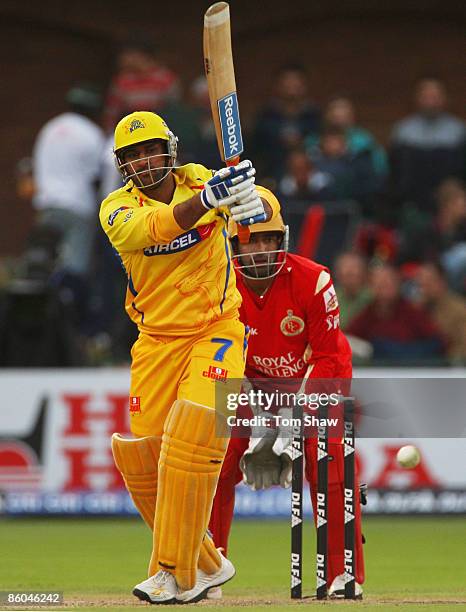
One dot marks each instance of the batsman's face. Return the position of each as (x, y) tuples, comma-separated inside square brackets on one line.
[(260, 253), (147, 162)]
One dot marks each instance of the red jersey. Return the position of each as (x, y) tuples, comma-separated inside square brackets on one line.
[(296, 324)]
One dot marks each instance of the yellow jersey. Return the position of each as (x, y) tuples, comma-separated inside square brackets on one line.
[(179, 281)]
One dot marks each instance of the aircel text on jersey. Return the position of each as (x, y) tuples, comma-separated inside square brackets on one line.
[(178, 244)]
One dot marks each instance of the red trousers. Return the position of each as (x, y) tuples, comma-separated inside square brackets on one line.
[(224, 502)]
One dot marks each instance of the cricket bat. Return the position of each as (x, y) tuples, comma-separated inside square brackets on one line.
[(220, 73)]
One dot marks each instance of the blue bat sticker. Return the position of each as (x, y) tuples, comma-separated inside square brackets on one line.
[(230, 125)]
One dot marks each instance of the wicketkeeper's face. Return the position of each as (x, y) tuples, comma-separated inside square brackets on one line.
[(259, 255)]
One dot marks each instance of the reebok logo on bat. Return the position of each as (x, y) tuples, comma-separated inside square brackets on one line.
[(230, 126)]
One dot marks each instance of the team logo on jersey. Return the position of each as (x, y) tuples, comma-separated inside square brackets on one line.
[(216, 373), (115, 213), (330, 299), (291, 325), (135, 125)]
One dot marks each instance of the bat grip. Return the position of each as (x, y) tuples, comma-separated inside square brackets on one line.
[(243, 230)]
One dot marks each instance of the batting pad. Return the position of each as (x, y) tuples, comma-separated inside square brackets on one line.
[(190, 461), (137, 459)]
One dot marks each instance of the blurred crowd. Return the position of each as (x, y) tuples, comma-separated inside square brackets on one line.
[(399, 263)]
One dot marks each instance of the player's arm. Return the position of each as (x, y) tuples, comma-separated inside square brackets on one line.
[(232, 188), (131, 227), (323, 323)]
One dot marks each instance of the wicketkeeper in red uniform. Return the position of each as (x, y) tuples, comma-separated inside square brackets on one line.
[(290, 306)]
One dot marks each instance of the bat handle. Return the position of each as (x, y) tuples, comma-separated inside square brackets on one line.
[(243, 230)]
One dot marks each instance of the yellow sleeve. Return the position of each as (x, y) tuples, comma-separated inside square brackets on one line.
[(131, 227), (270, 198)]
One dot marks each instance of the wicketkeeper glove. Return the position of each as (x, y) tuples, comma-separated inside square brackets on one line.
[(229, 186), (282, 448), (259, 464)]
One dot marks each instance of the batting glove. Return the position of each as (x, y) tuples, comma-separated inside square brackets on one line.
[(249, 209), (229, 185)]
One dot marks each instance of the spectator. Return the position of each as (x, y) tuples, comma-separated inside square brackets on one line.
[(345, 175), (351, 286), (447, 309), (284, 122), (377, 241), (443, 238), (192, 123), (397, 329), (37, 321), (340, 113), (427, 147), (67, 162), (302, 181), (141, 81)]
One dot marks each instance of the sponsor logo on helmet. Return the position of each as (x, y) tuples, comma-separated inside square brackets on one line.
[(291, 325), (135, 124)]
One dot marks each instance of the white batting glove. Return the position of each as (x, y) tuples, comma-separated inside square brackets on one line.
[(229, 185), (282, 448), (249, 209), (260, 465)]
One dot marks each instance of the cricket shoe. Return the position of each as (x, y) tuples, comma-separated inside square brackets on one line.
[(215, 593), (161, 588), (205, 582), (337, 588)]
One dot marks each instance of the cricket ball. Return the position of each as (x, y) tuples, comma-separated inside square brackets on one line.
[(408, 456)]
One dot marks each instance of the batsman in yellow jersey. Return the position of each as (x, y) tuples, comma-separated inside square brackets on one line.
[(169, 226)]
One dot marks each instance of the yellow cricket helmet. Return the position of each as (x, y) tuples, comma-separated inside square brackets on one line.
[(136, 128), (142, 126), (276, 224)]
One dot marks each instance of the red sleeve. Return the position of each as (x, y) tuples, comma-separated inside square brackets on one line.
[(323, 324)]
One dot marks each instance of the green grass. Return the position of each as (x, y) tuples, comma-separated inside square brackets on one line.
[(414, 563)]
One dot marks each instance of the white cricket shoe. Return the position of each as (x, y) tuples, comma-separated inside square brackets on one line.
[(161, 588), (205, 582), (337, 588), (215, 593)]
